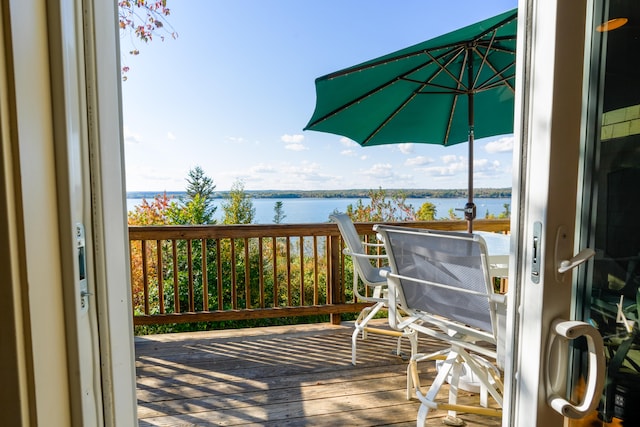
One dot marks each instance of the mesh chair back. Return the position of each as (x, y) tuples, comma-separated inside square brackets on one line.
[(455, 267), (368, 273)]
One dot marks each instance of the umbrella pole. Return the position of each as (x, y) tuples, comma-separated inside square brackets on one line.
[(470, 207)]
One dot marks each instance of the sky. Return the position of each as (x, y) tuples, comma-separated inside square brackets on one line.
[(232, 93)]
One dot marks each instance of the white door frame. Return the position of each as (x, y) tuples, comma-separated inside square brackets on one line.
[(111, 243)]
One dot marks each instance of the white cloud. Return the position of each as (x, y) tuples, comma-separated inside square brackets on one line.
[(350, 153), (481, 164), (171, 136), (484, 168), (452, 158), (236, 139), (263, 168), (296, 147), (305, 175), (348, 142), (294, 142), (405, 148), (386, 175), (380, 170), (364, 157), (131, 137), (502, 145), (452, 165), (418, 161), (295, 139)]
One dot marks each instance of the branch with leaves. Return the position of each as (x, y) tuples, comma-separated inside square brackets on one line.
[(143, 20)]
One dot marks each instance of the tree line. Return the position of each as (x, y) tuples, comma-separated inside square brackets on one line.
[(499, 193)]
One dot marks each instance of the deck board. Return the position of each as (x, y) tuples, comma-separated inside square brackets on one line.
[(278, 376)]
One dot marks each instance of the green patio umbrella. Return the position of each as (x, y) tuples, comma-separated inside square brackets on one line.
[(447, 90)]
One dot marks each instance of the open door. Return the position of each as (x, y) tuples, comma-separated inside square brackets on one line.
[(576, 231), (67, 344)]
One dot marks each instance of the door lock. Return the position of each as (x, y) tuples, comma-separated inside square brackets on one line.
[(536, 250), (82, 268)]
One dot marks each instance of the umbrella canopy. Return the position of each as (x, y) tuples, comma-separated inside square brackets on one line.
[(447, 90)]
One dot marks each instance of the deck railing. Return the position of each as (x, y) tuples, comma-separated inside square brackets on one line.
[(241, 272)]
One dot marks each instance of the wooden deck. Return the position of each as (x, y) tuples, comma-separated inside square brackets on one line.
[(277, 376)]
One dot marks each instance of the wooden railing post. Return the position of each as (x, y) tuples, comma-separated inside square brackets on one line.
[(334, 290)]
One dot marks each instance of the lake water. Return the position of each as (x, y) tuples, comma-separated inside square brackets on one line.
[(317, 210)]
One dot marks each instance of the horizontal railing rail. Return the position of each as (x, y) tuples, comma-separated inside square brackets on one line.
[(244, 272)]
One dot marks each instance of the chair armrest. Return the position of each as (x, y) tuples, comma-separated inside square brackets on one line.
[(365, 256)]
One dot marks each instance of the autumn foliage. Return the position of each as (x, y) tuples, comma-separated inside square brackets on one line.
[(143, 20)]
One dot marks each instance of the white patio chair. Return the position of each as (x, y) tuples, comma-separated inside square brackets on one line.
[(441, 280), (371, 278)]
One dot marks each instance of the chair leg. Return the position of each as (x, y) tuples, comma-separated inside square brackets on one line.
[(452, 416), (451, 369), (413, 340), (422, 416), (410, 370), (484, 395), (360, 326), (399, 346), (354, 342), (441, 377)]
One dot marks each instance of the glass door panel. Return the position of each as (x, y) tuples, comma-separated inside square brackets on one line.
[(608, 293)]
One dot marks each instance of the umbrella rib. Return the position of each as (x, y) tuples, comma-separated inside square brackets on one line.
[(455, 98), (502, 81), (498, 25), (499, 46), (473, 49), (497, 78), (388, 119), (443, 67), (489, 47), (448, 90)]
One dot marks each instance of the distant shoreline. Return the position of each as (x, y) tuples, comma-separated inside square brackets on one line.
[(497, 193)]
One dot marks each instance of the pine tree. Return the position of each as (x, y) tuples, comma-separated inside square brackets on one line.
[(279, 215), (198, 207)]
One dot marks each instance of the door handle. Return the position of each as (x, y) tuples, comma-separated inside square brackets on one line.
[(557, 367), (562, 248), (582, 256)]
